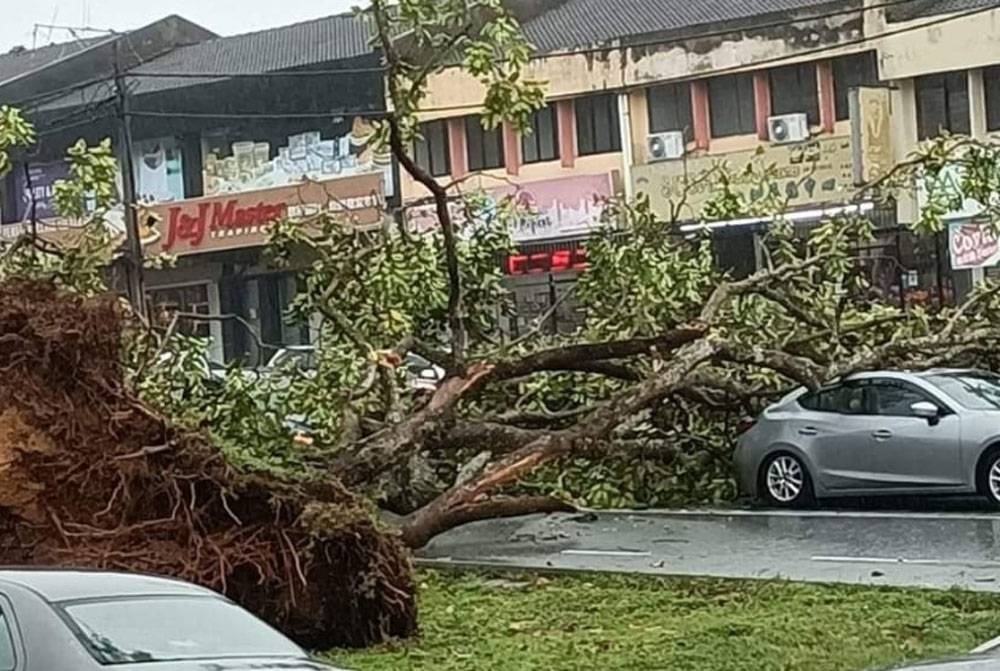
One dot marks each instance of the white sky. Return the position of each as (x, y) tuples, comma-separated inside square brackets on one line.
[(226, 17)]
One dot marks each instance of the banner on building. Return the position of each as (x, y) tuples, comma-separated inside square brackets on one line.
[(235, 164), (237, 220), (547, 209), (38, 186), (972, 245)]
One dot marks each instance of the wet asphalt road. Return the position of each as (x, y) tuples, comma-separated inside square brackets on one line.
[(954, 546)]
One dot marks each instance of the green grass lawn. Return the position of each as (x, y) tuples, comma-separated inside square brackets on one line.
[(605, 622)]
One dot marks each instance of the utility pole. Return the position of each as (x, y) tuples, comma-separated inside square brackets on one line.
[(133, 243)]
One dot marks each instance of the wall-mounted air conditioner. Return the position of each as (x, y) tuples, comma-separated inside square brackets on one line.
[(665, 146), (788, 128)]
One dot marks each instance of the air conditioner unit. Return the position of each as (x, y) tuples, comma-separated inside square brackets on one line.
[(665, 146), (788, 128)]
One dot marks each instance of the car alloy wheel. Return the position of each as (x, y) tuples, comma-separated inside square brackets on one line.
[(993, 479), (785, 479)]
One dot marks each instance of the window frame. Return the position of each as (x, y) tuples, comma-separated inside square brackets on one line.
[(842, 88), (587, 107), (940, 81), (991, 74), (799, 89), (428, 165), (675, 99), (534, 139), (750, 127), (476, 137)]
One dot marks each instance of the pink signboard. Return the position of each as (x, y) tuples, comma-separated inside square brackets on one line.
[(972, 245), (555, 208)]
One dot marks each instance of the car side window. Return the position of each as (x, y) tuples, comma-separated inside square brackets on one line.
[(8, 658), (894, 398), (843, 399)]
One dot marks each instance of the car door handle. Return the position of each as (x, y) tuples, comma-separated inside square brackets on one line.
[(882, 434), (808, 431)]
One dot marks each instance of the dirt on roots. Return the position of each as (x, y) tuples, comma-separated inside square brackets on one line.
[(90, 477)]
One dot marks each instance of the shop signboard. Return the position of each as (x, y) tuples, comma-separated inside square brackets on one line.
[(972, 244), (236, 220), (809, 173), (545, 210)]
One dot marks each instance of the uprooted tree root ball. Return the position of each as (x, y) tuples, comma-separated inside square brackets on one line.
[(91, 477)]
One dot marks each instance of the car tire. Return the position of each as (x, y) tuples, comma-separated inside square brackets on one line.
[(988, 476), (785, 482)]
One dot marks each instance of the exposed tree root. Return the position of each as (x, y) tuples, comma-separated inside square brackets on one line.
[(91, 477)]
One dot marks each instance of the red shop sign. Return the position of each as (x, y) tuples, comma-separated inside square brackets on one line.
[(547, 262)]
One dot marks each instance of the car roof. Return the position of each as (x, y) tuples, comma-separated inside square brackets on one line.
[(909, 373), (64, 585)]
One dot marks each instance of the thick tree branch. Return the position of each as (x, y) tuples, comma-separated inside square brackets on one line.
[(555, 444), (418, 532), (572, 357), (386, 449), (456, 322), (798, 368)]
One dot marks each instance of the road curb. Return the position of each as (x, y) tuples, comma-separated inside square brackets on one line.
[(833, 514)]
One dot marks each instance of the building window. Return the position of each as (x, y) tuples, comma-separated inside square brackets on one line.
[(597, 125), (485, 147), (731, 105), (191, 299), (670, 108), (991, 82), (851, 72), (794, 91), (432, 152), (542, 144), (943, 104)]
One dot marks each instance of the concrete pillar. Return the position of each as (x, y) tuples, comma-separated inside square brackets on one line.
[(699, 114), (827, 96), (567, 132), (762, 102), (639, 113), (511, 149), (456, 143), (625, 127), (903, 101)]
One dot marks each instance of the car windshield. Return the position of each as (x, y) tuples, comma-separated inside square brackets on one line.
[(159, 629), (976, 391)]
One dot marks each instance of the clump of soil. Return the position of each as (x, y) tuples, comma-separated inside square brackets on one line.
[(90, 477)]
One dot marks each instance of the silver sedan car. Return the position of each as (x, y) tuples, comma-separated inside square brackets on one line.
[(54, 620), (877, 433)]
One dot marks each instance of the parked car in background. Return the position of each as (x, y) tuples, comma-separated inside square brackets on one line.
[(421, 373), (877, 433), (61, 620)]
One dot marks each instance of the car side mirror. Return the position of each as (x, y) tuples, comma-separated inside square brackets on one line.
[(926, 410)]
